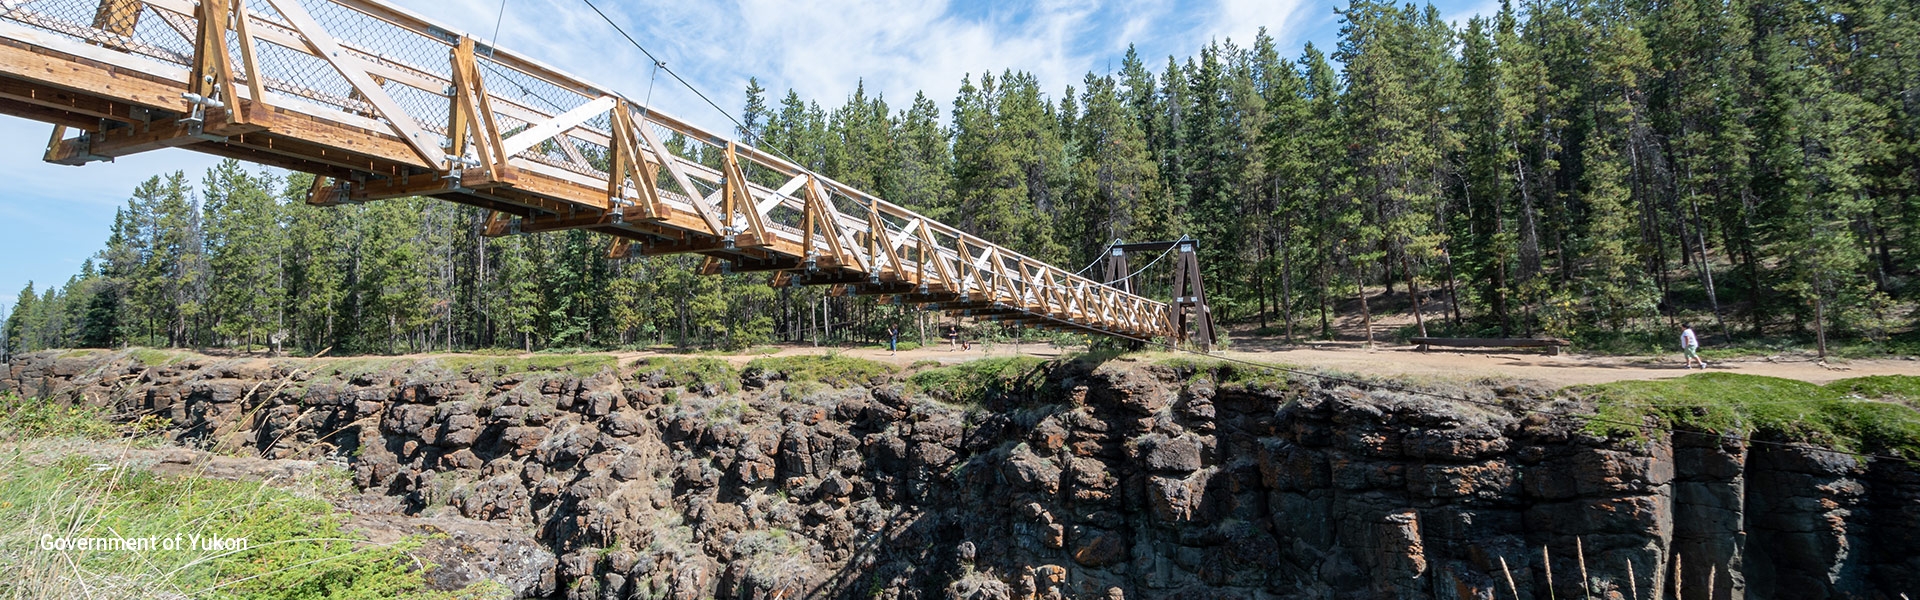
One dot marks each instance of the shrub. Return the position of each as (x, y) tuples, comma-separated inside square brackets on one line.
[(691, 374), (21, 418), (981, 381)]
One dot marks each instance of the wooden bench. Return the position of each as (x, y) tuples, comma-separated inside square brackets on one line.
[(1553, 345)]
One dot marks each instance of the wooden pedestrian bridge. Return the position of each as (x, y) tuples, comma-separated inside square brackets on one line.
[(379, 103)]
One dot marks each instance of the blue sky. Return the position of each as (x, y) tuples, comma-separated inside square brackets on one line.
[(52, 217)]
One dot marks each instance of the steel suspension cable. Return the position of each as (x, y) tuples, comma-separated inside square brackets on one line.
[(689, 85)]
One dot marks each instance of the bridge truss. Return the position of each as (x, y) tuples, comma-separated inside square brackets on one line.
[(380, 103)]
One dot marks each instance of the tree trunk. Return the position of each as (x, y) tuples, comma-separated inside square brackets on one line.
[(1413, 293), (1286, 287), (1453, 298), (1820, 322), (1366, 314), (1706, 270)]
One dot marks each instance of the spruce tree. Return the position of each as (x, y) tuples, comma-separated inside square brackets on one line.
[(244, 246)]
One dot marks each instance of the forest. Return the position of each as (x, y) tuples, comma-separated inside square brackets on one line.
[(1593, 169)]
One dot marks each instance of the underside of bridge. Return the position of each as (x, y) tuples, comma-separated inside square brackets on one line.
[(380, 103)]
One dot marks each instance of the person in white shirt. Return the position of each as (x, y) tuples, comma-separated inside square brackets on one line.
[(1690, 346)]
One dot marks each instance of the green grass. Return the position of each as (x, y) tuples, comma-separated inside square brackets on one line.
[(830, 369), (748, 351), (347, 368), (1225, 372), (1850, 414), (496, 351), (977, 382), (154, 357), (572, 363), (1894, 388), (296, 547), (690, 373), (21, 418)]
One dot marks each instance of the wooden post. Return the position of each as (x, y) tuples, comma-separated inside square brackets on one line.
[(471, 114), (1190, 292), (118, 17)]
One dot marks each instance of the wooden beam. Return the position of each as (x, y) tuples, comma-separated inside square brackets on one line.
[(47, 115), (324, 192), (256, 80), (738, 201), (498, 224), (689, 246), (878, 236), (679, 174), (627, 164), (821, 215), (351, 68), (124, 141), (472, 116), (81, 105), (564, 222), (540, 132), (620, 248)]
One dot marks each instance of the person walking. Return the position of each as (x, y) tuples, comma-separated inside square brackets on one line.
[(893, 340), (1690, 346), (953, 338)]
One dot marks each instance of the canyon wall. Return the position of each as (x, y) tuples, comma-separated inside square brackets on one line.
[(1115, 480)]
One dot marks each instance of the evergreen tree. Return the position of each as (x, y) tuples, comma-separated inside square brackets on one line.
[(1617, 291), (20, 324), (1114, 191), (244, 247), (924, 164)]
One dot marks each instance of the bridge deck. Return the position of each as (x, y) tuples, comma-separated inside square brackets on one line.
[(380, 103)]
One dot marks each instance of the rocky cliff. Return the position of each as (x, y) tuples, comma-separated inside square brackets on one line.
[(1072, 480)]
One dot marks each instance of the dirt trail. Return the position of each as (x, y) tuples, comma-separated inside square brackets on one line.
[(1405, 361), (1387, 360)]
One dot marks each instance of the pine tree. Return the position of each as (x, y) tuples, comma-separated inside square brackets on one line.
[(513, 298), (988, 178), (1114, 191), (317, 265), (171, 283), (1617, 291), (244, 248), (20, 324), (1028, 131), (924, 163), (1808, 166), (1490, 118), (1292, 170)]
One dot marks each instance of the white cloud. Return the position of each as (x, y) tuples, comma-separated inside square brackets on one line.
[(823, 49), (1241, 20)]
